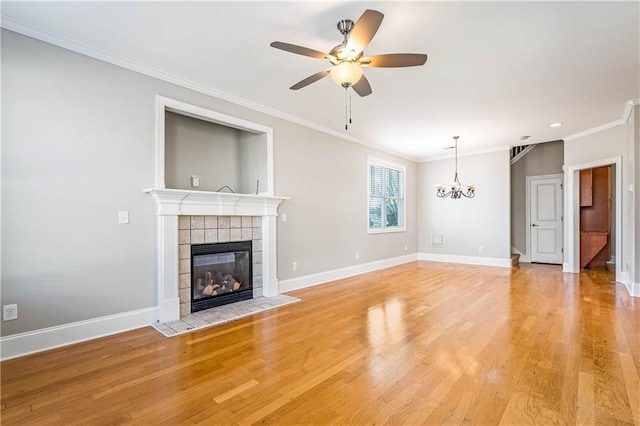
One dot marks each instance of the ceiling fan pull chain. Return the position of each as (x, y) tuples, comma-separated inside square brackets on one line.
[(346, 109), (350, 109)]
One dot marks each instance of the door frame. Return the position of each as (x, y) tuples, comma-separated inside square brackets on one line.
[(527, 208), (572, 214)]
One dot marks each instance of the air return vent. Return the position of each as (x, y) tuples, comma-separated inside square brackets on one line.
[(437, 239)]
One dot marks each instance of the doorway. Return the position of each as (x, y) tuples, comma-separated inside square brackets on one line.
[(573, 213), (596, 225), (545, 219)]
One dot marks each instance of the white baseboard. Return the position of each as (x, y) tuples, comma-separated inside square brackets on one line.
[(337, 274), (632, 288), (469, 260), (18, 345)]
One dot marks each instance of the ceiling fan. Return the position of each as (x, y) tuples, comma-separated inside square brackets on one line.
[(347, 58)]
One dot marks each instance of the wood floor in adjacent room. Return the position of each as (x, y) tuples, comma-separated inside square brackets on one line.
[(421, 343)]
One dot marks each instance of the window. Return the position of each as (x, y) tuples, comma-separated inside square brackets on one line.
[(385, 197)]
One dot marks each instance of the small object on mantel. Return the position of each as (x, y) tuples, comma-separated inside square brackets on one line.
[(226, 186)]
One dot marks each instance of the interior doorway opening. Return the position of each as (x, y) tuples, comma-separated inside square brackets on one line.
[(597, 223), (572, 213)]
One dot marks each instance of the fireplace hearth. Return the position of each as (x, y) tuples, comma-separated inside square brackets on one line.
[(221, 273)]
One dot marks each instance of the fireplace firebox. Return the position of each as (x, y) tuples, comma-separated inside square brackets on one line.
[(221, 273)]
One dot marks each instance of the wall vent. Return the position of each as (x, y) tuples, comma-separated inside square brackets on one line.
[(437, 239)]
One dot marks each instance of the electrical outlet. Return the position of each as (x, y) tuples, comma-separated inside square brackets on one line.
[(284, 217), (123, 217), (406, 248), (294, 266), (357, 255), (480, 249), (10, 312)]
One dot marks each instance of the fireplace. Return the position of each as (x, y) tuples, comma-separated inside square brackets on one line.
[(174, 260), (221, 273)]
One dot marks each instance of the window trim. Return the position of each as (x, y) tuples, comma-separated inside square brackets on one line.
[(393, 166)]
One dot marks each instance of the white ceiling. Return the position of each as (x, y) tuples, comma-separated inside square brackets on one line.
[(495, 71)]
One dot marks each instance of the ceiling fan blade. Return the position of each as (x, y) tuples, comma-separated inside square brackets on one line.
[(363, 31), (362, 87), (311, 79), (305, 51), (394, 60)]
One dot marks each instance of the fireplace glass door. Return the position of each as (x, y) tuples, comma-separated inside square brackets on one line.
[(220, 273)]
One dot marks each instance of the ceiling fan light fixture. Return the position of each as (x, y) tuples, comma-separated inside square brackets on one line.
[(346, 73)]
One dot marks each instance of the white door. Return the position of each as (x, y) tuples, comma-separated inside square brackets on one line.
[(545, 219)]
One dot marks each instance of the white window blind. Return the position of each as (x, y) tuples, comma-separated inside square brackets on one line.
[(386, 197)]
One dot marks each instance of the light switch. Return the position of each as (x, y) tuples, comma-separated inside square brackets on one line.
[(284, 217), (123, 217)]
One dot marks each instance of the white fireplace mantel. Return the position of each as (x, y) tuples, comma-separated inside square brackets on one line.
[(186, 202), (173, 203)]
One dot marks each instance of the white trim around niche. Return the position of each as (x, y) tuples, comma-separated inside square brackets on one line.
[(164, 104)]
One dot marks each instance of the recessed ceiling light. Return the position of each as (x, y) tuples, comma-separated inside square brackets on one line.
[(557, 124)]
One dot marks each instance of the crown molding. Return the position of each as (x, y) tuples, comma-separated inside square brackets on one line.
[(84, 49), (626, 113), (468, 154)]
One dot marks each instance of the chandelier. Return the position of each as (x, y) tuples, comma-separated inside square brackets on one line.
[(455, 189)]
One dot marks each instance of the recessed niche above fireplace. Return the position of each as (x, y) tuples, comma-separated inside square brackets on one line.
[(218, 155), (175, 203), (220, 150)]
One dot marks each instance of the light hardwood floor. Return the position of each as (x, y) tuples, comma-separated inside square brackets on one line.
[(421, 343)]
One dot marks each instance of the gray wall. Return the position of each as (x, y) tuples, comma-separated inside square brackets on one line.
[(78, 145), (617, 141), (544, 159), (468, 224), (197, 147), (253, 162), (327, 217)]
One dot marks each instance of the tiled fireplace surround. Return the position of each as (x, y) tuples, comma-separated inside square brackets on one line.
[(187, 217), (216, 229)]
